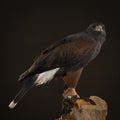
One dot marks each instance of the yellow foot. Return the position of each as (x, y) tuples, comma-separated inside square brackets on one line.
[(70, 92), (80, 102)]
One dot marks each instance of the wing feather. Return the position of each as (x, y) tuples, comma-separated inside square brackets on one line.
[(72, 51)]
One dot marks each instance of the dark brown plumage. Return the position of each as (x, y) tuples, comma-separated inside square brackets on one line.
[(67, 58)]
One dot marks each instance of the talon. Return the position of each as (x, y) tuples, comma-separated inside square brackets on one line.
[(71, 98), (69, 93), (81, 102)]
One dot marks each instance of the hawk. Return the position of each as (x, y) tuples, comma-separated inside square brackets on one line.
[(64, 59)]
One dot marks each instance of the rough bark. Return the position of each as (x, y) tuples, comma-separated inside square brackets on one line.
[(88, 112)]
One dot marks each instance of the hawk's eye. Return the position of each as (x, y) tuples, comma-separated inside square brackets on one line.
[(94, 27)]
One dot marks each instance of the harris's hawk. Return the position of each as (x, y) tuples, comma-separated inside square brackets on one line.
[(66, 59)]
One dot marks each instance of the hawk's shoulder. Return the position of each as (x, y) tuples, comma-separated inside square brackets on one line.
[(65, 40)]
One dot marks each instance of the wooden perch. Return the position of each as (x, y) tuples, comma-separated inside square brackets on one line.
[(88, 112)]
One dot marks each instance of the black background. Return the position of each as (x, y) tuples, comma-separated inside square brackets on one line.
[(30, 27)]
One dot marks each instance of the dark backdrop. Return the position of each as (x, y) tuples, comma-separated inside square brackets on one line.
[(30, 27)]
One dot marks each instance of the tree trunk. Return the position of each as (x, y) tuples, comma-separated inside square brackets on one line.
[(88, 112)]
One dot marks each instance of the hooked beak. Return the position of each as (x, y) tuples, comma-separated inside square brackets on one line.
[(99, 28)]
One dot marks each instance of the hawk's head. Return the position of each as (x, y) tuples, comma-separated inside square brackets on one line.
[(97, 27)]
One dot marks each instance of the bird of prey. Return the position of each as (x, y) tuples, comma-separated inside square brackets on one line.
[(65, 59)]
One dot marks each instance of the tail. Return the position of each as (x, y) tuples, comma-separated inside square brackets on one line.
[(30, 81), (28, 84)]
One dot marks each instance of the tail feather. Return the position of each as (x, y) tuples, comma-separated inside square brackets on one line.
[(31, 80), (26, 87)]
